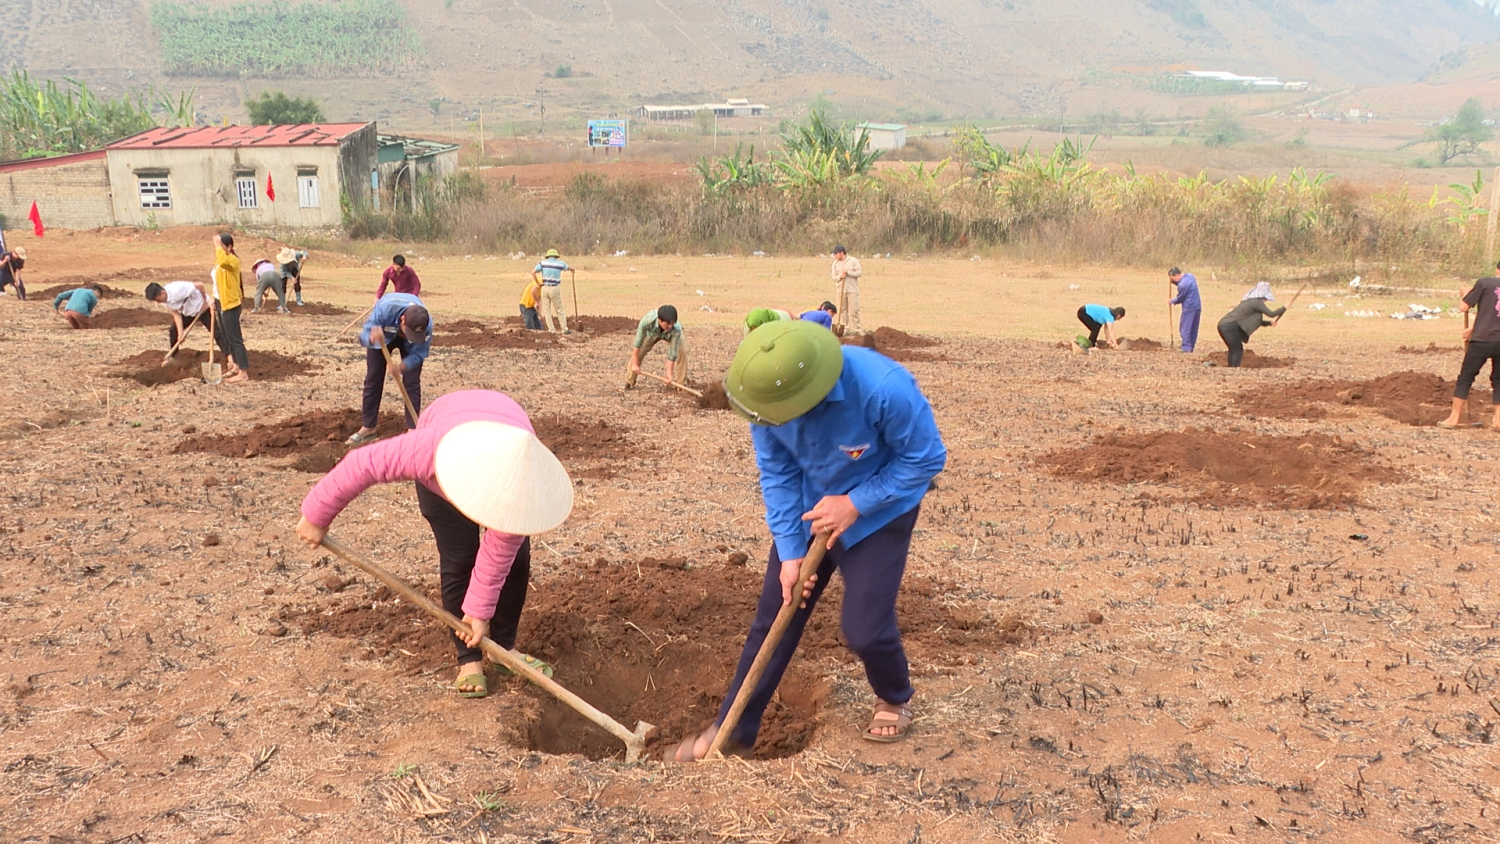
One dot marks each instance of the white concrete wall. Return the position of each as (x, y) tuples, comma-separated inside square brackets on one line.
[(202, 185)]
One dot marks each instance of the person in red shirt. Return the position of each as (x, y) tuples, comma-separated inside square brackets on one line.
[(400, 277)]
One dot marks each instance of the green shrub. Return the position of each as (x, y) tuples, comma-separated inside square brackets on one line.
[(275, 108)]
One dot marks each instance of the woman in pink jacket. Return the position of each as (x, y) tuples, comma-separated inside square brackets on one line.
[(484, 483)]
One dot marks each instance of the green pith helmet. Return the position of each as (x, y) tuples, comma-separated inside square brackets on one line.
[(782, 370), (553, 253), (760, 316)]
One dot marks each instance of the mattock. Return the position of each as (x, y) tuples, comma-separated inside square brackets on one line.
[(635, 742)]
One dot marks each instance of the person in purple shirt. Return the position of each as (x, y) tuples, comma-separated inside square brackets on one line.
[(1192, 306), (823, 315)]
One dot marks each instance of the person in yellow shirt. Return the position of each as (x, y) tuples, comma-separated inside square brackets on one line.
[(229, 294), (529, 298)]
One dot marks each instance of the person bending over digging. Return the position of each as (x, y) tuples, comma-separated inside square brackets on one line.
[(400, 323), (291, 261), (658, 326), (846, 443), (530, 297), (1481, 343), (760, 316), (1095, 317), (400, 277), (187, 302), (77, 305), (823, 315), (484, 484), (268, 277), (1250, 314), (11, 264)]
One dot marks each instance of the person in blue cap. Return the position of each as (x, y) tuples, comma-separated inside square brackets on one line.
[(400, 323), (847, 445)]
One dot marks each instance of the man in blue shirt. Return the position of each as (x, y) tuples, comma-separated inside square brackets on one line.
[(1095, 317), (400, 323), (79, 307), (846, 444), (1192, 306), (549, 272), (822, 316)]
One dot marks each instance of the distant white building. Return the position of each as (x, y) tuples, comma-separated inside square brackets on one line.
[(729, 108), (1259, 83), (885, 135)]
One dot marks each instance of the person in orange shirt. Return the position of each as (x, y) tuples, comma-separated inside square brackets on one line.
[(529, 298)]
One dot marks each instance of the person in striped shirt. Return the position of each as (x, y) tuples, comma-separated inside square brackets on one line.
[(549, 272)]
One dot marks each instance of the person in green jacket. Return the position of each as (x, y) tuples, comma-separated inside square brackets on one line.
[(1251, 313)]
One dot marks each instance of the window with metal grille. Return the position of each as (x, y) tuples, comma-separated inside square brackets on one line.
[(307, 192), (246, 188), (155, 194)]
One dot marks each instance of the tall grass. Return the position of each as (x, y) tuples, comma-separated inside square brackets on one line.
[(1034, 204), (39, 118)]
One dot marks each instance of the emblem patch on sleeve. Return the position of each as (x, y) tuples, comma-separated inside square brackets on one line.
[(855, 451)]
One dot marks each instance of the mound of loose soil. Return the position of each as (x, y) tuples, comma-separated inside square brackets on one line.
[(656, 640), (1413, 398), (478, 335), (126, 283), (316, 439), (131, 318), (46, 296), (714, 397), (1251, 361), (596, 326), (145, 368), (1141, 344), (1429, 349), (318, 309), (590, 448), (895, 344), (1312, 471)]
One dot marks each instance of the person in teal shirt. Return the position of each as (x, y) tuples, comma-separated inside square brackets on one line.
[(80, 305), (1095, 317), (847, 447)]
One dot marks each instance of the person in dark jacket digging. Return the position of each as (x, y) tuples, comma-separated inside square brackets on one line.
[(1251, 313), (1481, 343)]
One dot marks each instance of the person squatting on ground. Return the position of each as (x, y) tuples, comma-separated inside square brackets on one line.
[(291, 261), (400, 277), (229, 288), (188, 303), (846, 275), (484, 483), (846, 443), (1095, 317), (529, 298), (1192, 306), (1481, 343), (549, 272), (400, 323), (1250, 314), (11, 264), (659, 326), (268, 277), (823, 315), (80, 305)]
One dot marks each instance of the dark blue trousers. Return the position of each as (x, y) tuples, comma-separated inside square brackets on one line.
[(1188, 327), (411, 376), (872, 572)]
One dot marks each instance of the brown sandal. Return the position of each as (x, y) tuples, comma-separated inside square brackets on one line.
[(896, 715), (687, 750)]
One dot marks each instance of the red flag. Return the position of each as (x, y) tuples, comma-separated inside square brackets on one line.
[(270, 188), (36, 220)]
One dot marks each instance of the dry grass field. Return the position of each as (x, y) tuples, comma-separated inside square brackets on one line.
[(1149, 599)]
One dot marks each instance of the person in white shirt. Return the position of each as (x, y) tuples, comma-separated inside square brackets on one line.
[(187, 301)]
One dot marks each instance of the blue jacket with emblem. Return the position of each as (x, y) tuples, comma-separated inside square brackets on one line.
[(873, 438)]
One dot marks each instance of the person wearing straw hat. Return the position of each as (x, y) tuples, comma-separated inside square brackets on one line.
[(291, 261), (846, 444), (402, 324), (1250, 314), (659, 326), (268, 276), (485, 484), (549, 272), (11, 264)]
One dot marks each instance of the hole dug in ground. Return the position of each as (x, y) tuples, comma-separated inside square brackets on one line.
[(1412, 398), (656, 641)]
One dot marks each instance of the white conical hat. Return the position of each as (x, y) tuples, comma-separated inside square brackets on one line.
[(502, 477)]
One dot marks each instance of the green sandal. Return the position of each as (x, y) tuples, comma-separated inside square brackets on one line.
[(531, 661), (477, 679)]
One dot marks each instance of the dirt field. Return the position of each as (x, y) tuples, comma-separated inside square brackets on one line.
[(1149, 599)]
